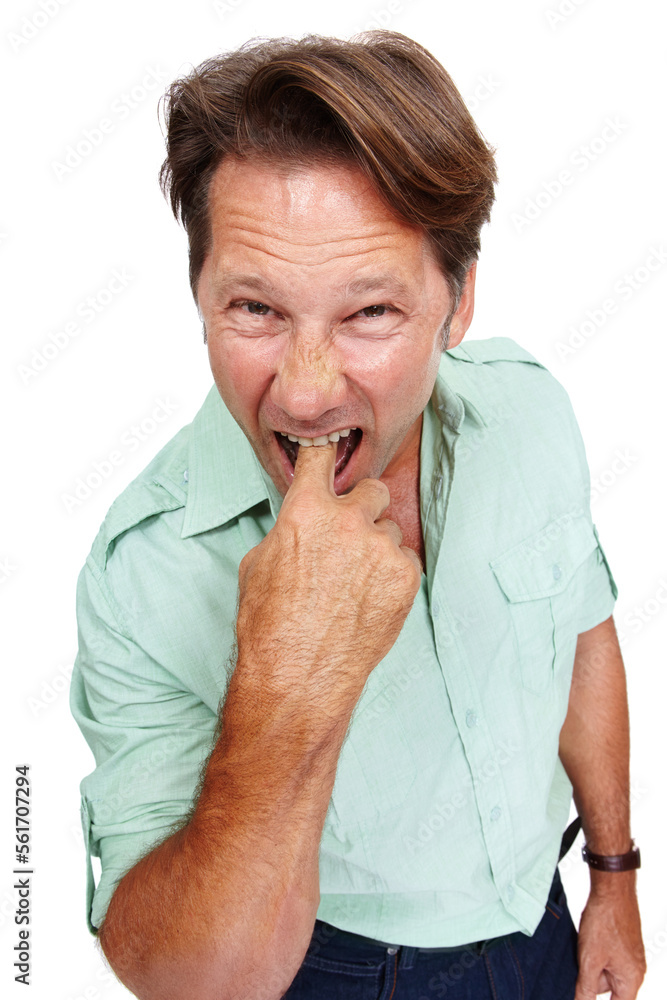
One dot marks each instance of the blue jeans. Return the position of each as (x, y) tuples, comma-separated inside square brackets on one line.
[(338, 966)]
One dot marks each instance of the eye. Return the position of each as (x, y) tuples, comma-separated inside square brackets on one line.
[(376, 311), (372, 311), (254, 308)]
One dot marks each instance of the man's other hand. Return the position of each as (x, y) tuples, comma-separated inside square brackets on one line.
[(611, 952), (324, 596)]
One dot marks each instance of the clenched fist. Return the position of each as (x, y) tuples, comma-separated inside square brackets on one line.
[(324, 596)]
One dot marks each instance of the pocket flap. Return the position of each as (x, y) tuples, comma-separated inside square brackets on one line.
[(544, 563)]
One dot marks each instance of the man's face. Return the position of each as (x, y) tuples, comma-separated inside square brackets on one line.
[(323, 314)]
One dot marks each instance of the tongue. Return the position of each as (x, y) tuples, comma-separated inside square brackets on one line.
[(345, 448)]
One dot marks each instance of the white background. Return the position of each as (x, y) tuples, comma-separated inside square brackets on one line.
[(541, 85)]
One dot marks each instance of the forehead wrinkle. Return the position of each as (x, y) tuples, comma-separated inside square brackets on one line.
[(315, 263), (225, 227)]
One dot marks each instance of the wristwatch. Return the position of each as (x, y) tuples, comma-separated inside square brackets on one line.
[(613, 862)]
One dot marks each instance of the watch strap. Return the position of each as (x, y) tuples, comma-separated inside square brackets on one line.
[(613, 862)]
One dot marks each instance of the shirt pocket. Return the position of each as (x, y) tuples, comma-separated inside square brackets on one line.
[(535, 577)]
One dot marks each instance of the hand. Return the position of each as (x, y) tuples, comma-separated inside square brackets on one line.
[(324, 596), (611, 951)]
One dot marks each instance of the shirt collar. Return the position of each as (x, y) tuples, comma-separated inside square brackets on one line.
[(224, 475), (457, 394), (225, 478)]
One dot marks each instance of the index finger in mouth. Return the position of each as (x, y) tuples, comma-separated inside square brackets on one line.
[(315, 464)]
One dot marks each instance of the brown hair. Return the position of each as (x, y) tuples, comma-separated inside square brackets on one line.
[(380, 101)]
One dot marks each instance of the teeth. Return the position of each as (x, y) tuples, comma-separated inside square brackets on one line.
[(323, 439)]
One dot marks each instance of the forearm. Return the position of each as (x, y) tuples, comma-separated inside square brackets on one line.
[(594, 747), (225, 907)]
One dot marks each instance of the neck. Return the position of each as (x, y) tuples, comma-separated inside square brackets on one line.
[(403, 485)]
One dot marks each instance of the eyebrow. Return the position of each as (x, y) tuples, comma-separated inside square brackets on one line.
[(256, 283), (232, 279), (372, 283)]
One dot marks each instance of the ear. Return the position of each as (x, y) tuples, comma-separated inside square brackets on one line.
[(462, 318)]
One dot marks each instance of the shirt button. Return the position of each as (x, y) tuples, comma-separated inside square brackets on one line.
[(557, 572), (510, 892), (471, 718), (435, 609), (495, 813), (392, 951), (185, 476)]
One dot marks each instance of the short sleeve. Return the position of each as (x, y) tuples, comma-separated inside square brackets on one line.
[(149, 734), (597, 590)]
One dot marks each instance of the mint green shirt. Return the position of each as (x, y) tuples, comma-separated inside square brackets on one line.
[(450, 800)]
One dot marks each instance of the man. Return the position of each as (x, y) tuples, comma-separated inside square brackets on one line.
[(361, 597)]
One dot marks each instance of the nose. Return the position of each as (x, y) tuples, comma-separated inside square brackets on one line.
[(309, 379)]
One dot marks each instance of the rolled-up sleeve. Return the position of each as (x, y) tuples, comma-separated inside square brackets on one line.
[(597, 589), (149, 737), (595, 592)]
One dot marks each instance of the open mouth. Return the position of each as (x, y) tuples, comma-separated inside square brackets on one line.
[(345, 447)]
